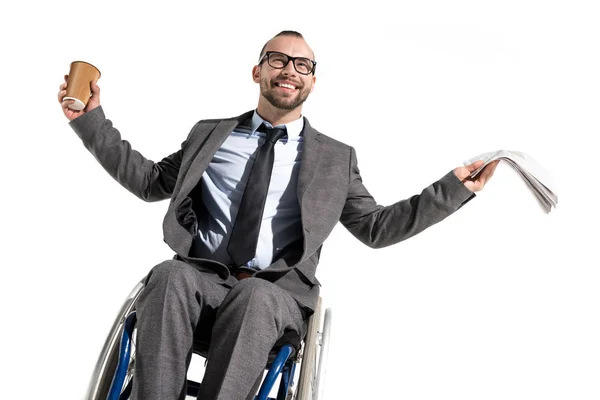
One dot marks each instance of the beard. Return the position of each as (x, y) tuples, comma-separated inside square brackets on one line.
[(283, 102)]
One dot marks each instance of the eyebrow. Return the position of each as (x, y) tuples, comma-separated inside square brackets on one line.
[(277, 51)]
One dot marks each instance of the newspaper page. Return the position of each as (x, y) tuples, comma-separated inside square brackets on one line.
[(539, 180)]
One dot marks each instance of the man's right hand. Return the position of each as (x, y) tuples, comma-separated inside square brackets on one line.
[(92, 103)]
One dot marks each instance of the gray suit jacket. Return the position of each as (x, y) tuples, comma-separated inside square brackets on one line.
[(330, 189)]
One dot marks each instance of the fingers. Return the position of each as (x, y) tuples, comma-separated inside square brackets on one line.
[(62, 91), (473, 166), (478, 182), (65, 104), (461, 173), (95, 89), (486, 174)]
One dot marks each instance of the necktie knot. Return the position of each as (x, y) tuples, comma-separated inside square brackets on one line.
[(272, 134)]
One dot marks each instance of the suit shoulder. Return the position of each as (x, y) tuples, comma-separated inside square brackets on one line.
[(238, 118), (213, 121), (329, 141), (204, 125), (201, 129)]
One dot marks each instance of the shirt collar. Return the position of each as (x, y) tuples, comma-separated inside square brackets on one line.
[(294, 128)]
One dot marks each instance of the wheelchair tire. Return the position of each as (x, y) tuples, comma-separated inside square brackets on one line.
[(323, 354), (106, 365), (316, 346)]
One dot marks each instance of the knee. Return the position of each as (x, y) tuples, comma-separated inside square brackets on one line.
[(256, 292), (171, 273)]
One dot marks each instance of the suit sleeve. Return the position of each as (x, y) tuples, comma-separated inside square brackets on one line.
[(378, 226), (149, 180)]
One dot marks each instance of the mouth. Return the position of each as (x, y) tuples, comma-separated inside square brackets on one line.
[(286, 85)]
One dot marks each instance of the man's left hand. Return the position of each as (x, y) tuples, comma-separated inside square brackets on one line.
[(478, 182)]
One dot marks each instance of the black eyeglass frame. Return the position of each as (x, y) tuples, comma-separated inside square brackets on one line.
[(290, 58)]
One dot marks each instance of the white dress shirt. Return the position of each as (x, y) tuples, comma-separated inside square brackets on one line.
[(223, 185)]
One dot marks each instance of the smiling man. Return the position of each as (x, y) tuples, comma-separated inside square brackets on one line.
[(252, 199), (282, 91)]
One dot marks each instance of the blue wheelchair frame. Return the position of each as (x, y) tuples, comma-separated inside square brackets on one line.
[(282, 364)]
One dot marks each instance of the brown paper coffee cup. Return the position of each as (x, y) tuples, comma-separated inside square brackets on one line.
[(81, 75)]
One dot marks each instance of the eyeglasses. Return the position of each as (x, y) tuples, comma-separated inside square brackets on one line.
[(277, 60)]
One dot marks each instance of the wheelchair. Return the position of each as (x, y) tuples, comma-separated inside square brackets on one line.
[(113, 374)]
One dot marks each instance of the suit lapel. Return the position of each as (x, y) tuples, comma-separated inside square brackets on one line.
[(206, 150), (311, 154)]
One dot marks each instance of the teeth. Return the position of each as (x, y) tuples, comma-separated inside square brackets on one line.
[(287, 85)]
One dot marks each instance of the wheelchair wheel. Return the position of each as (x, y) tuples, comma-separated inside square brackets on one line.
[(310, 380), (323, 354), (316, 348), (109, 356)]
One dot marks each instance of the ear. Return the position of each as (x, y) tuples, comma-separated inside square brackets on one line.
[(314, 80), (256, 74)]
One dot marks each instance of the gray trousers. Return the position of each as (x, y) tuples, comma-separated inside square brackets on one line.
[(181, 304)]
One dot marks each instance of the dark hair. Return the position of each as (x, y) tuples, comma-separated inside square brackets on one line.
[(282, 33)]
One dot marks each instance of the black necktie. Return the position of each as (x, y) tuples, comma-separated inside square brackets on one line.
[(244, 236)]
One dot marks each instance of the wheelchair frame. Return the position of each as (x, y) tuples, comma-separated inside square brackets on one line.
[(113, 373)]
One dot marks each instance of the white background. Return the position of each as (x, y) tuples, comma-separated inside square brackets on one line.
[(500, 301)]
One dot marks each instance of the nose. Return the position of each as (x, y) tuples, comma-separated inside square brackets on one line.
[(289, 69)]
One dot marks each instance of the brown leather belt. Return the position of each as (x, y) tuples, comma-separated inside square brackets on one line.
[(239, 272), (243, 275)]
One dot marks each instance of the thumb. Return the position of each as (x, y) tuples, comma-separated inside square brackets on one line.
[(95, 88), (472, 167)]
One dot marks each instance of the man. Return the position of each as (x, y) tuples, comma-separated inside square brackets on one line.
[(221, 238)]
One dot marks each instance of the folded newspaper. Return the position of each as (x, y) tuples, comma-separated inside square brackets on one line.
[(537, 178)]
